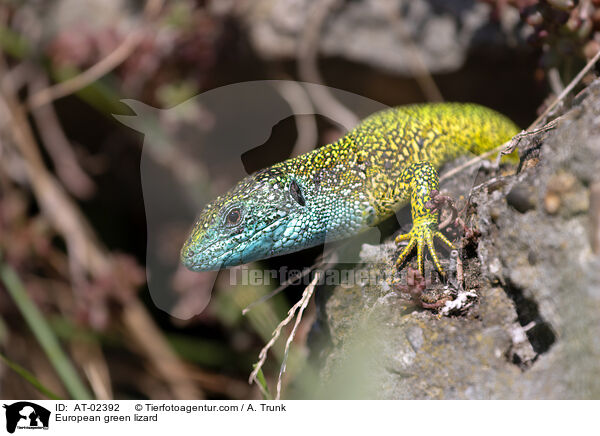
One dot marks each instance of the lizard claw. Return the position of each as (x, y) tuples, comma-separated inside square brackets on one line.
[(422, 235)]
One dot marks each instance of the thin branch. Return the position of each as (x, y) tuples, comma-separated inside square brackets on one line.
[(60, 210), (95, 368), (460, 276), (514, 142), (146, 334), (87, 77), (58, 147), (554, 80), (101, 68)]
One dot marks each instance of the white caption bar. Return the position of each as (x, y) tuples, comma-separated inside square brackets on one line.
[(298, 417)]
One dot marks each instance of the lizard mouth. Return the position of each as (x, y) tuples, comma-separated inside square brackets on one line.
[(195, 259), (206, 263), (199, 257)]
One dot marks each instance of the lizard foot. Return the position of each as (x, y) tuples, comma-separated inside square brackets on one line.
[(422, 235)]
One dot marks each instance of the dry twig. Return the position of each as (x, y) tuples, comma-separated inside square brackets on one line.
[(60, 150), (96, 71), (89, 76)]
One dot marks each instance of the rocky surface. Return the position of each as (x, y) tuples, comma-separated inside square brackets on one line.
[(531, 332), (382, 33)]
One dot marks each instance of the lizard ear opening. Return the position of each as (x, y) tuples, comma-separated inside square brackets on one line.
[(296, 193)]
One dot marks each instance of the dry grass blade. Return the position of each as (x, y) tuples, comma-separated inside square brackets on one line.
[(306, 295), (298, 307)]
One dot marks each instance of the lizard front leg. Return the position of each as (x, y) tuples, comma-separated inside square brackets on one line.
[(418, 181)]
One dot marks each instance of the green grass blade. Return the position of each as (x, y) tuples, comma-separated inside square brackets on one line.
[(30, 378), (262, 383), (43, 334)]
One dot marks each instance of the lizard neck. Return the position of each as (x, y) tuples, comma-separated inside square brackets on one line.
[(334, 188)]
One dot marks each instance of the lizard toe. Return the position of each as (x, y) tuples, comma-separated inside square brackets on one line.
[(445, 240), (407, 250), (422, 237)]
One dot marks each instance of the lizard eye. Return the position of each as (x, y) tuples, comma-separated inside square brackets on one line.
[(233, 217), (296, 193)]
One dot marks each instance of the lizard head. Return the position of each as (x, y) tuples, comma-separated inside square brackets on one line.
[(264, 215)]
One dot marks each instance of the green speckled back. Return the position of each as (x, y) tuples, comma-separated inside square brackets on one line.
[(372, 156)]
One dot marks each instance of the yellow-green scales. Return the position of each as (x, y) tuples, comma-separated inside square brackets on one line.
[(391, 158)]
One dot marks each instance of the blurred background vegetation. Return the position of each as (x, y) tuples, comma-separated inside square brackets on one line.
[(76, 318)]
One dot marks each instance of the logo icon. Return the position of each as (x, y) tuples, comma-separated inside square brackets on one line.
[(26, 415)]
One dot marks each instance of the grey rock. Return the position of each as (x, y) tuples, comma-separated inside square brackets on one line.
[(366, 31), (534, 332)]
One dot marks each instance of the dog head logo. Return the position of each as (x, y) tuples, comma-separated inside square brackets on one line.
[(26, 415)]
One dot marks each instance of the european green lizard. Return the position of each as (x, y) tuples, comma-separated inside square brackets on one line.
[(340, 189)]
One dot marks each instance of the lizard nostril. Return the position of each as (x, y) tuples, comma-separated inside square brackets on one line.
[(189, 252)]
